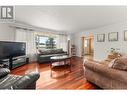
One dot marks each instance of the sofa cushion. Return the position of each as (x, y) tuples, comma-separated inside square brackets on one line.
[(52, 51), (56, 51), (26, 80), (7, 81), (4, 72), (21, 83), (119, 63), (44, 52)]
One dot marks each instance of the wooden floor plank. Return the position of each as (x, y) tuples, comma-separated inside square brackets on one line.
[(71, 80)]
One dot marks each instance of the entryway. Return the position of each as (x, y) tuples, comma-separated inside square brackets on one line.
[(88, 46)]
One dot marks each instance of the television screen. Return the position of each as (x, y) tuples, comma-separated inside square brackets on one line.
[(11, 49)]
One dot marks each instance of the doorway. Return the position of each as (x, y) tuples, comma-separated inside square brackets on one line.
[(88, 46)]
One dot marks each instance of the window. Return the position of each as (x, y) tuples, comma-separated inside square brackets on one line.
[(45, 42)]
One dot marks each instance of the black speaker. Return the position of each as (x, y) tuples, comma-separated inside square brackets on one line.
[(27, 60)]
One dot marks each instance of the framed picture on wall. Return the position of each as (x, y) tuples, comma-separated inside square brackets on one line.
[(113, 36), (100, 37), (125, 35)]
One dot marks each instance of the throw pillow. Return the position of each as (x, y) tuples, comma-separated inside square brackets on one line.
[(119, 63)]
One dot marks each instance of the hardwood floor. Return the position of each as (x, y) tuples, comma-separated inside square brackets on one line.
[(61, 80)]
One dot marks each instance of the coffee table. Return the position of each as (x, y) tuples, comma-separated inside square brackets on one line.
[(60, 63)]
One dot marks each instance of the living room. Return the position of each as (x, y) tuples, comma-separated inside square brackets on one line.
[(51, 46)]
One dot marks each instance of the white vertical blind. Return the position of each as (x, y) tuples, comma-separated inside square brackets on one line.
[(28, 37), (62, 42)]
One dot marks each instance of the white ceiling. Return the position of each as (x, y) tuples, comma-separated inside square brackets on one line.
[(70, 18)]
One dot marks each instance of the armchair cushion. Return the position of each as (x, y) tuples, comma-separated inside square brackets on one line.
[(4, 72), (22, 82), (26, 80)]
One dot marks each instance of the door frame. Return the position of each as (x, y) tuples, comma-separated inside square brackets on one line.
[(82, 44)]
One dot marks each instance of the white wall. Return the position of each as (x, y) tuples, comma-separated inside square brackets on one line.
[(6, 33), (101, 48)]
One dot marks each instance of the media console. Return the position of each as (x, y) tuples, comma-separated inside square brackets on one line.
[(12, 53), (15, 62)]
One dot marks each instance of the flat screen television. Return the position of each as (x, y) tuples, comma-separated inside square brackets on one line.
[(12, 49)]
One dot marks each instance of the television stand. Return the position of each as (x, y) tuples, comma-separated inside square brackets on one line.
[(17, 61), (10, 63), (4, 63)]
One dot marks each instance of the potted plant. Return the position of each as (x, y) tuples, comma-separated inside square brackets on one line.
[(115, 52)]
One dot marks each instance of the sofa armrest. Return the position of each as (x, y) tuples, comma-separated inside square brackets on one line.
[(34, 76), (26, 81), (4, 72), (104, 70)]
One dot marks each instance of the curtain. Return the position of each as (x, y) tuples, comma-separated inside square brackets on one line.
[(62, 42), (29, 38)]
